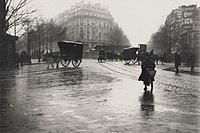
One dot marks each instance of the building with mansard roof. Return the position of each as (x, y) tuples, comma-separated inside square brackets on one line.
[(88, 23), (185, 29)]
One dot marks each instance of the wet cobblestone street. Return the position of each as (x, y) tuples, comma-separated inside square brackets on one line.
[(97, 98)]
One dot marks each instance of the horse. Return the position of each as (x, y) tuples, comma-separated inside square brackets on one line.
[(51, 58)]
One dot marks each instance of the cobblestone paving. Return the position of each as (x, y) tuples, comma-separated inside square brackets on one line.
[(97, 98)]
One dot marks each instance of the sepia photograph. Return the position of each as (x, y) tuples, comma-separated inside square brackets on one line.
[(99, 66)]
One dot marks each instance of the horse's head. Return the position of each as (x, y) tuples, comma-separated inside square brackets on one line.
[(47, 52)]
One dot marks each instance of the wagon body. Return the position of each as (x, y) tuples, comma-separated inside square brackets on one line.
[(71, 51), (129, 54)]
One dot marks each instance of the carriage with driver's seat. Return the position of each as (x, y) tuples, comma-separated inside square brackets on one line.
[(71, 51), (134, 54), (130, 55)]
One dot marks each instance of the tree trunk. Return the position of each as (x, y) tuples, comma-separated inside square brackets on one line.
[(2, 20)]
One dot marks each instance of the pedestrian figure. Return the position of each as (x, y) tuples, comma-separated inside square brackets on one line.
[(163, 58), (192, 62), (101, 56), (56, 59), (49, 58), (148, 72), (17, 59), (152, 53), (20, 60), (177, 59), (154, 57)]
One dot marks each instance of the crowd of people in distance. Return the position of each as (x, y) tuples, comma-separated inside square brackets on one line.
[(148, 64), (148, 68), (22, 58)]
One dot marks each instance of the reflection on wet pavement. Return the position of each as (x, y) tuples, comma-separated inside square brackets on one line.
[(92, 98), (147, 105)]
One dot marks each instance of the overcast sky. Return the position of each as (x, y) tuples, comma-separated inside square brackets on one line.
[(138, 18)]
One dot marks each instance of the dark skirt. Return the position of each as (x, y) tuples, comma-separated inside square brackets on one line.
[(146, 78)]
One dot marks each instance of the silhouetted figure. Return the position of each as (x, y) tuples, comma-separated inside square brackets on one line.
[(17, 59), (56, 59), (101, 56), (49, 58), (148, 72), (151, 52), (152, 55), (177, 59), (163, 58), (192, 62)]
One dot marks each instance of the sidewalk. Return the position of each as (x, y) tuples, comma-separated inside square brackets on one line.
[(182, 69)]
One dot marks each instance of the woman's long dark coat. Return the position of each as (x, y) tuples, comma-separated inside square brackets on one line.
[(144, 76)]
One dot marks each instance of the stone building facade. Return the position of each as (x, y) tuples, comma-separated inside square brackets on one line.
[(185, 30), (88, 23), (185, 26)]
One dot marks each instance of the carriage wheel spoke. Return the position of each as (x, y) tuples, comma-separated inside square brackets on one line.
[(65, 62), (76, 63)]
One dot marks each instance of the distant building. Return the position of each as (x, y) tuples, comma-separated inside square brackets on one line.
[(193, 35), (185, 29), (88, 23)]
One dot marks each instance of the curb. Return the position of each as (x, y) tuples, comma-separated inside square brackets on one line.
[(182, 71)]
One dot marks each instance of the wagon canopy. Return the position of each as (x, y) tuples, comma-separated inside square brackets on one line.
[(130, 53), (134, 49), (69, 44), (71, 49)]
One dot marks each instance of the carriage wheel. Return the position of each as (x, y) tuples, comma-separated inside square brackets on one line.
[(127, 61), (65, 62), (76, 63), (134, 61)]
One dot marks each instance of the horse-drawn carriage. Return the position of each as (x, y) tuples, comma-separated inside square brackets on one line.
[(71, 51), (130, 55), (134, 54)]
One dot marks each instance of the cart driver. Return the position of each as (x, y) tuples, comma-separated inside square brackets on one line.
[(102, 53)]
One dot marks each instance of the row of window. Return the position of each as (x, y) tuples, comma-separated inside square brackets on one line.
[(88, 30), (89, 37), (195, 36), (89, 13), (89, 22)]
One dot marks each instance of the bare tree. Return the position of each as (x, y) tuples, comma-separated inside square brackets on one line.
[(167, 35), (44, 35), (118, 37), (16, 14)]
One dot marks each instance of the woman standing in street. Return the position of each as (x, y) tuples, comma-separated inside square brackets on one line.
[(148, 72), (177, 60)]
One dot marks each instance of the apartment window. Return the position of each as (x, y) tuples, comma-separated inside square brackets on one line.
[(88, 22), (81, 21), (93, 30), (100, 23), (93, 37), (81, 29), (100, 35)]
